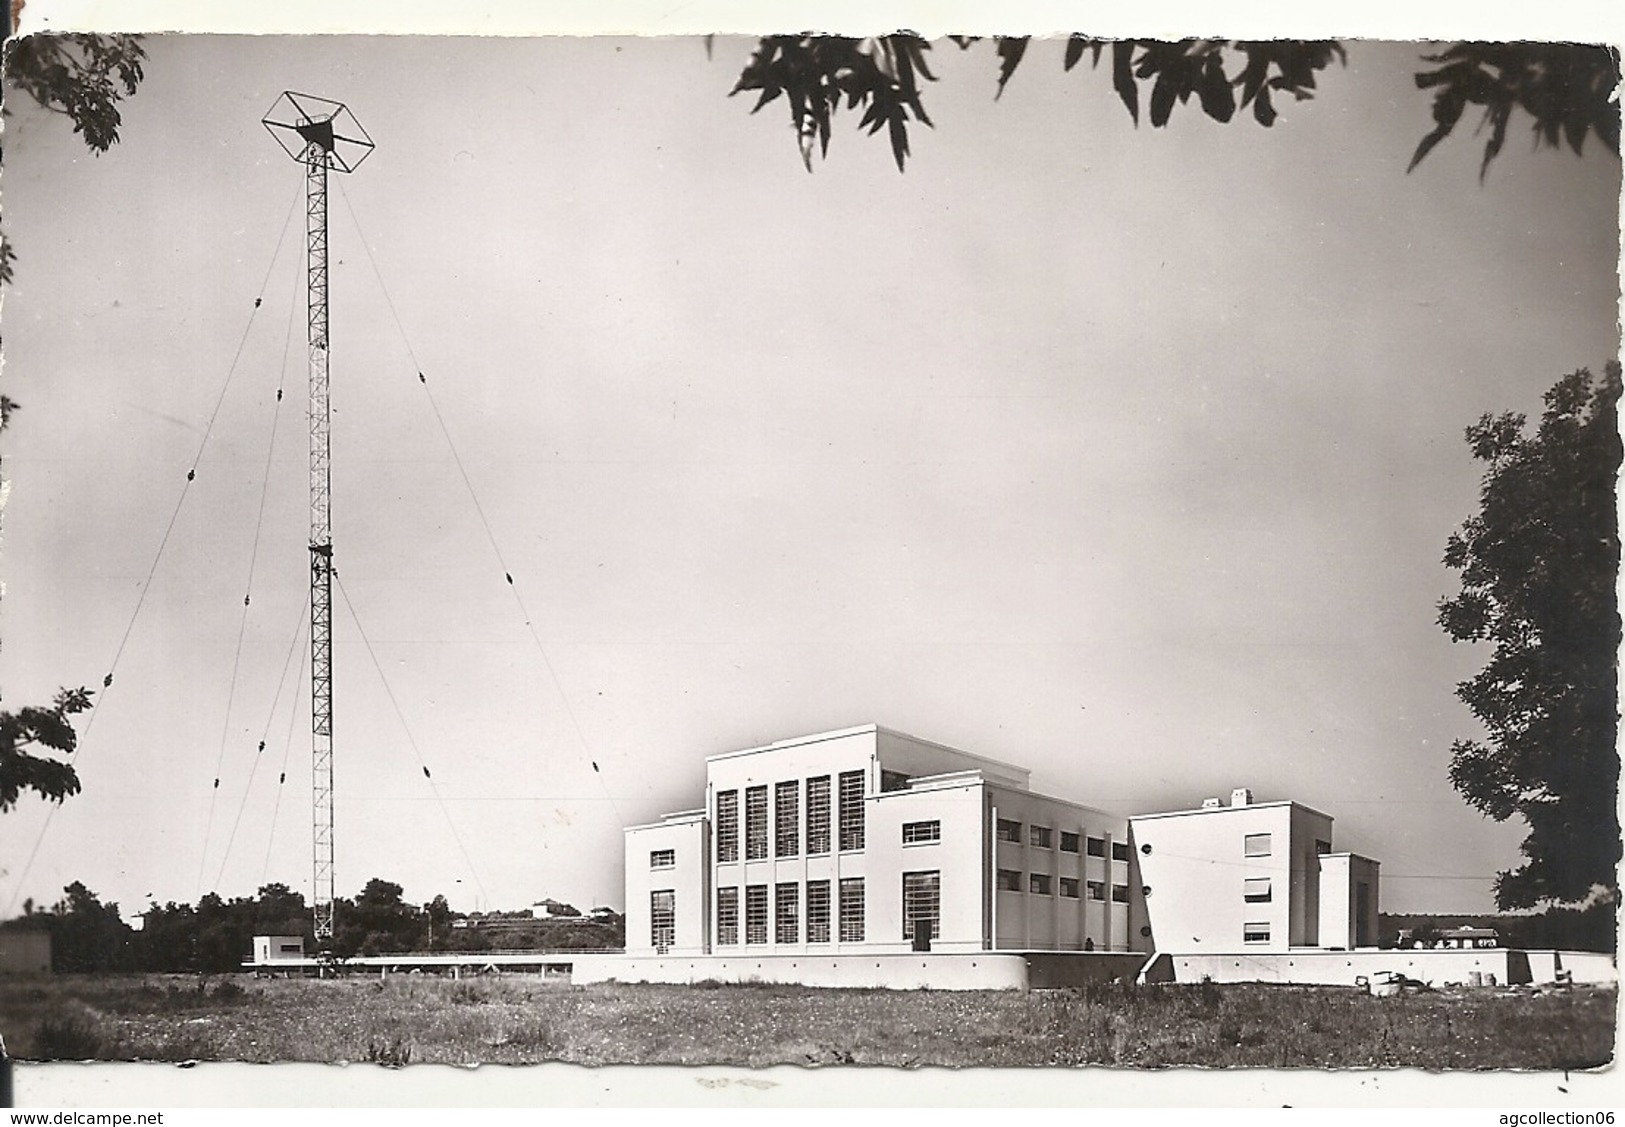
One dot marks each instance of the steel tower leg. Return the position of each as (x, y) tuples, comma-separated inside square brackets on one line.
[(321, 545)]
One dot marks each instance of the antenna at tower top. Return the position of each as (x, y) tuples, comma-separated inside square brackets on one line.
[(301, 122)]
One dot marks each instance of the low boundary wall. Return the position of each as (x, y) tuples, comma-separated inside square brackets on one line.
[(1341, 968), (971, 970)]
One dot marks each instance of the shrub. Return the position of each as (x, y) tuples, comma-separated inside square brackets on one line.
[(70, 1037), (393, 1053)]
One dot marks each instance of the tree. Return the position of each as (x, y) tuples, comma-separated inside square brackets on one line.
[(80, 76), (1538, 566), (21, 769), (377, 922), (88, 936), (1564, 87), (439, 915)]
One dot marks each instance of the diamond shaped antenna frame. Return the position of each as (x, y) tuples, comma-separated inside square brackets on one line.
[(302, 122)]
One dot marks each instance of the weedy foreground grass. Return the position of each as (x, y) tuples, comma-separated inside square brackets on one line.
[(519, 1019)]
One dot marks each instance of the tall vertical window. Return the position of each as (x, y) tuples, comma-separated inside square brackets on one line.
[(818, 815), (755, 823), (728, 825), (818, 911), (786, 913), (727, 916), (921, 903), (852, 910), (756, 913), (663, 919), (786, 819), (851, 809)]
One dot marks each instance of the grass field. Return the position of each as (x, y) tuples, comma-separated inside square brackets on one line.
[(520, 1019)]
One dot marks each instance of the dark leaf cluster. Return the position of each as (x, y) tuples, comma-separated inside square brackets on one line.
[(49, 728), (1538, 564), (821, 75), (816, 74), (1565, 88), (82, 76)]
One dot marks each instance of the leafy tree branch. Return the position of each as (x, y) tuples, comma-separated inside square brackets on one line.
[(1566, 89)]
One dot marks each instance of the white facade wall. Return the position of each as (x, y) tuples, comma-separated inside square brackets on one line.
[(792, 761), (687, 839), (1347, 920), (1036, 920), (1198, 869), (956, 804)]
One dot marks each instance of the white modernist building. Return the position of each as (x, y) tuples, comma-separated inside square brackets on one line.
[(1253, 876), (866, 841)]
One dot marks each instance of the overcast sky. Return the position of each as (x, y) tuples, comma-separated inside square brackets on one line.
[(1124, 455)]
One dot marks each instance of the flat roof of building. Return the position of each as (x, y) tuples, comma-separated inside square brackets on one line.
[(1228, 809), (861, 730)]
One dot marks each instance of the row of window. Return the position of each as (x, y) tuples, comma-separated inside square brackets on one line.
[(787, 912), (788, 826), (1043, 884), (914, 833), (1043, 837), (922, 893)]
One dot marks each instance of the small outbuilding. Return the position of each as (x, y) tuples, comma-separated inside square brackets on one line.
[(272, 948)]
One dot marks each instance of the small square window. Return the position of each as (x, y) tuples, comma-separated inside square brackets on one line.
[(1255, 933), (662, 858), (1040, 837), (1038, 884), (1119, 851), (1322, 847), (1009, 880), (1009, 831), (1120, 894), (1256, 845), (1069, 842), (1097, 890), (1256, 890), (1096, 847), (1069, 887)]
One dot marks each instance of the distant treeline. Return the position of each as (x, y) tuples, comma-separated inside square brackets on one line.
[(1594, 928), (215, 935)]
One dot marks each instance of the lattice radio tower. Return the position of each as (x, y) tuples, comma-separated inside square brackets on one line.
[(320, 134)]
